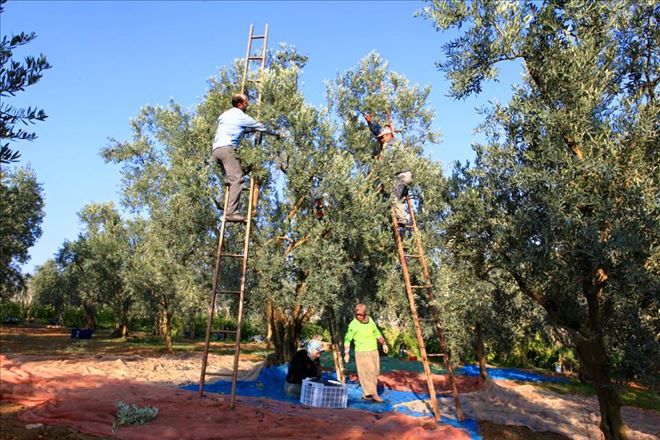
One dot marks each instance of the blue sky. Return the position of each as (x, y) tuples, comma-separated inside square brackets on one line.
[(110, 58)]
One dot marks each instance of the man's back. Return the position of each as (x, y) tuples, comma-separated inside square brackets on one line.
[(232, 124)]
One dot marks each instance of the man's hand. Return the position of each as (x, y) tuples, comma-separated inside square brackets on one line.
[(347, 357), (367, 117), (385, 348)]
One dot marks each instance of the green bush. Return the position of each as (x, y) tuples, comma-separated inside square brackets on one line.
[(73, 317), (44, 314), (9, 309), (409, 340), (311, 329), (105, 318)]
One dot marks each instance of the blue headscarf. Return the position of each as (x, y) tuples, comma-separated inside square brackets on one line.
[(314, 346)]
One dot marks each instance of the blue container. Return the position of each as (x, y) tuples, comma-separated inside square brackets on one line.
[(81, 333)]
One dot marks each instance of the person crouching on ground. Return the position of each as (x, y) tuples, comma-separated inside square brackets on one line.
[(306, 364), (363, 332)]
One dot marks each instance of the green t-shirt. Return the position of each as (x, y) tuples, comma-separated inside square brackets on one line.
[(365, 335)]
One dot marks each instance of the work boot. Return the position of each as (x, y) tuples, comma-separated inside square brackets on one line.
[(234, 218), (376, 398)]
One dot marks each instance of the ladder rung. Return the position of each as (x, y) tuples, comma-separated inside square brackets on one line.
[(224, 331), (436, 354), (253, 58), (232, 255), (229, 292), (426, 286), (254, 80), (412, 255), (258, 37), (214, 373)]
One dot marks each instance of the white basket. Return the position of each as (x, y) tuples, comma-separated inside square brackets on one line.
[(324, 396)]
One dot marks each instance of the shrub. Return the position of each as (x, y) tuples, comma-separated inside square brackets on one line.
[(73, 317), (9, 309)]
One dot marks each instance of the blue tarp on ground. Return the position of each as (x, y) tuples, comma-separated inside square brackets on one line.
[(270, 384), (510, 374)]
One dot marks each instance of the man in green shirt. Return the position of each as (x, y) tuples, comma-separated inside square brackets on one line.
[(363, 332)]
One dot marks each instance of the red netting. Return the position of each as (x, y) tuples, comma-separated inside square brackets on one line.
[(63, 396)]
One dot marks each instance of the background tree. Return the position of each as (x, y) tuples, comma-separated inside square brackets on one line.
[(49, 288), (108, 257), (21, 214), (15, 76), (563, 197), (167, 187)]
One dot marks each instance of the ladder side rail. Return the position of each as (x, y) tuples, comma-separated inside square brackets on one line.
[(239, 320), (214, 290), (434, 310), (263, 66), (247, 59), (413, 310)]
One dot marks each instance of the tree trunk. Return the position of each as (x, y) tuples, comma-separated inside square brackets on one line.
[(286, 333), (591, 349), (595, 361), (90, 316), (594, 357), (121, 326), (167, 326), (337, 347), (480, 352)]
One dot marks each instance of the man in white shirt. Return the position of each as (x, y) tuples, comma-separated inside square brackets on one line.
[(232, 125)]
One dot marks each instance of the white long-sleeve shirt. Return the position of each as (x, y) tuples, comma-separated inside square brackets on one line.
[(232, 125)]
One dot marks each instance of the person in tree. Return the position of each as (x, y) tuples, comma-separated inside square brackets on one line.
[(386, 141), (363, 332), (232, 125), (306, 364)]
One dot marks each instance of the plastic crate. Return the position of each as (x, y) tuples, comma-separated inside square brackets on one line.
[(324, 395)]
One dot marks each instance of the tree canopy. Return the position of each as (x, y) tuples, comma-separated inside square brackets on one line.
[(563, 196)]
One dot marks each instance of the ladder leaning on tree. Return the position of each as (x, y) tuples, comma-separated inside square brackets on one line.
[(250, 75), (419, 256)]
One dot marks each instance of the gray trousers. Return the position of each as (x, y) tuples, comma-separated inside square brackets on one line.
[(226, 157), (400, 184)]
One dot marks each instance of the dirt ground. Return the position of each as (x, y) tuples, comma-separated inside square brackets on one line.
[(47, 349)]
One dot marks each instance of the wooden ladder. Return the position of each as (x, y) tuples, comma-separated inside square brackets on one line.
[(250, 75), (417, 255)]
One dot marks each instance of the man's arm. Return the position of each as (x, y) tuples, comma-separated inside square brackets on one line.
[(373, 126), (250, 124)]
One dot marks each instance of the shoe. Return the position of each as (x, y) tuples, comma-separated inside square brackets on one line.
[(402, 223), (234, 218), (376, 398), (367, 398)]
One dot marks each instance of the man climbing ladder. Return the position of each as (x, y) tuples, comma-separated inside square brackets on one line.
[(232, 125), (396, 153)]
